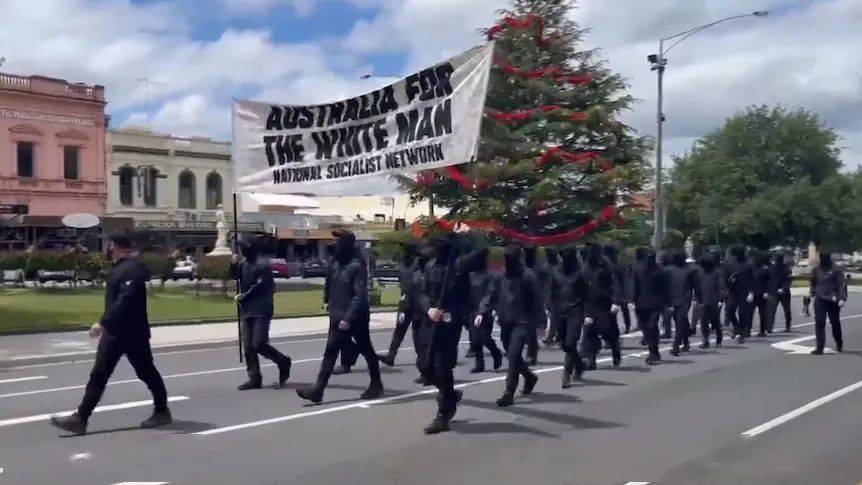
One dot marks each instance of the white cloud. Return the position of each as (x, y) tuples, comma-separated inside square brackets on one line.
[(303, 8)]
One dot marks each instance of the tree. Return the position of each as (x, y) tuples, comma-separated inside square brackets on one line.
[(515, 190), (749, 180)]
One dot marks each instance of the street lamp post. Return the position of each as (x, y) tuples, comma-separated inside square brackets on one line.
[(658, 63)]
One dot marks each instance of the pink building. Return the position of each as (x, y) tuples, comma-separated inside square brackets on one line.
[(52, 153)]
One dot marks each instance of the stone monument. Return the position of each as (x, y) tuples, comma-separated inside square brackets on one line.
[(221, 246)]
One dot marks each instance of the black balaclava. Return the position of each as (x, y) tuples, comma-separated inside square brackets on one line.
[(779, 260), (679, 259), (442, 247), (570, 263), (482, 262), (408, 255), (611, 253), (345, 247), (593, 255), (738, 253), (708, 263), (762, 259), (530, 254), (826, 260), (666, 259), (641, 254), (650, 259), (513, 265), (552, 256), (248, 249)]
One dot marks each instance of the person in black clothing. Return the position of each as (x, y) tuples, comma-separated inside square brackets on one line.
[(480, 279), (255, 300), (621, 280), (553, 334), (666, 262), (651, 296), (349, 354), (829, 292), (710, 293), (783, 276), (641, 254), (123, 330), (599, 308), (445, 301), (349, 318), (682, 279), (765, 292), (543, 276), (516, 298), (739, 277), (569, 289), (404, 318)]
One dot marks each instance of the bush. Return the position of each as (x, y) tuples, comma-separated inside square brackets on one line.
[(13, 261), (215, 268), (93, 266), (161, 266), (49, 261)]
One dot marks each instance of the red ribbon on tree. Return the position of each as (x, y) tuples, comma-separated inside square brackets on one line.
[(526, 114), (556, 72), (606, 215), (581, 158), (521, 23)]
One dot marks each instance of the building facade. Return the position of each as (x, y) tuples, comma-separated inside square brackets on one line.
[(171, 187), (52, 157)]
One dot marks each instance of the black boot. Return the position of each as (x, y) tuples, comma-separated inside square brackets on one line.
[(817, 352), (839, 346), (439, 425), (479, 367), (283, 372), (374, 391), (425, 381), (342, 369), (674, 351), (705, 343), (567, 380), (651, 360), (387, 359), (530, 381), (498, 359), (532, 360), (505, 400), (73, 424), (591, 363), (159, 418), (470, 354), (310, 393), (248, 385)]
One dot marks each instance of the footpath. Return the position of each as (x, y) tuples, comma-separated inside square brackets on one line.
[(17, 350)]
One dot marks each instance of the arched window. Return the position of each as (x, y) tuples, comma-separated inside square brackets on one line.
[(213, 190), (187, 190), (151, 177), (127, 175)]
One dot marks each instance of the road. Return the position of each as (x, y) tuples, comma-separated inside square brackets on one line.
[(762, 412)]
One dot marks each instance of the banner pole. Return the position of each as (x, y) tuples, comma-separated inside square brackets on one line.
[(237, 276)]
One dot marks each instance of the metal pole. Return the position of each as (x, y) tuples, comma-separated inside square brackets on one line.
[(237, 274), (430, 204), (658, 204)]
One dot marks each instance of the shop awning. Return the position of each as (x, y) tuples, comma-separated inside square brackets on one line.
[(261, 202)]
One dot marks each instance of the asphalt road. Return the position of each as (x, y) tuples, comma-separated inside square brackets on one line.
[(752, 413)]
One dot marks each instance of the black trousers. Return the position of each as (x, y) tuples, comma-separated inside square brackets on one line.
[(784, 301), (604, 328), (570, 332), (822, 310), (255, 341), (338, 340), (398, 335), (764, 313), (440, 360), (648, 323), (107, 355), (555, 328), (481, 338), (666, 320), (515, 338), (627, 317), (696, 317), (740, 314), (681, 325), (710, 318)]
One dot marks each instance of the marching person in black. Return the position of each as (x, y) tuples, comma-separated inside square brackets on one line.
[(480, 279), (829, 292), (349, 318), (621, 280), (710, 293), (445, 301), (739, 275), (516, 298), (349, 354), (783, 276), (665, 262), (765, 292), (543, 276), (553, 334), (599, 308), (681, 278), (404, 318), (651, 298), (255, 299), (123, 330), (569, 289)]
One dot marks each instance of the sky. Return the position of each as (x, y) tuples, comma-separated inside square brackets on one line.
[(176, 65)]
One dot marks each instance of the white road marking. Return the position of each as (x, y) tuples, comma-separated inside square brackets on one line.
[(80, 456), (100, 409), (22, 379), (791, 347), (638, 483), (801, 410), (141, 483)]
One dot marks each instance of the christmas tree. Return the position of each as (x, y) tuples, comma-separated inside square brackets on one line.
[(553, 155)]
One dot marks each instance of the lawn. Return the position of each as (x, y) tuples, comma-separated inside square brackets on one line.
[(54, 309)]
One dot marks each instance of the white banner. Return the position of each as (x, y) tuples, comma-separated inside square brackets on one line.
[(429, 120)]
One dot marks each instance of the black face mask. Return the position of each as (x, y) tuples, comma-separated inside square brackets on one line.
[(530, 257), (248, 251), (650, 260), (679, 260), (707, 264), (512, 258), (552, 256), (482, 264), (826, 261), (611, 253), (593, 255), (345, 248), (570, 262)]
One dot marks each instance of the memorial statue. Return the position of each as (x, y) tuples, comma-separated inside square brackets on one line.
[(689, 249), (221, 246)]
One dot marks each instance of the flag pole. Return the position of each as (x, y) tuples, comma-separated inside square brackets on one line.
[(237, 276)]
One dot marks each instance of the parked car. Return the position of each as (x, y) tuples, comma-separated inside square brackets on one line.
[(314, 268), (185, 269), (13, 277), (385, 270), (59, 276), (279, 267)]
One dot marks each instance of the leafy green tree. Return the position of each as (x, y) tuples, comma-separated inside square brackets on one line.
[(557, 196)]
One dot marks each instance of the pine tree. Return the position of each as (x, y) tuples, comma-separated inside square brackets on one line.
[(556, 196)]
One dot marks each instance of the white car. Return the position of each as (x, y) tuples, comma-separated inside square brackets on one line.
[(185, 269)]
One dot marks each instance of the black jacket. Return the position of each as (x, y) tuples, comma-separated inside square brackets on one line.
[(125, 314), (710, 288), (516, 299), (480, 282), (258, 288), (682, 281), (347, 291), (764, 282), (739, 277), (455, 297), (568, 292), (783, 276), (600, 289), (651, 288), (828, 284)]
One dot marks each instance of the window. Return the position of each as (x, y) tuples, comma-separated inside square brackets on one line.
[(126, 176), (187, 190), (70, 162), (213, 190), (25, 159), (150, 175)]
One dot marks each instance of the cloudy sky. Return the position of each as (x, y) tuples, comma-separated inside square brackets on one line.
[(199, 54)]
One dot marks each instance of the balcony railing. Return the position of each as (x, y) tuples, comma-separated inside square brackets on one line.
[(51, 86)]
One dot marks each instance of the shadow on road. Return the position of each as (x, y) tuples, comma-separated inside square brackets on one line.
[(469, 427), (565, 419)]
